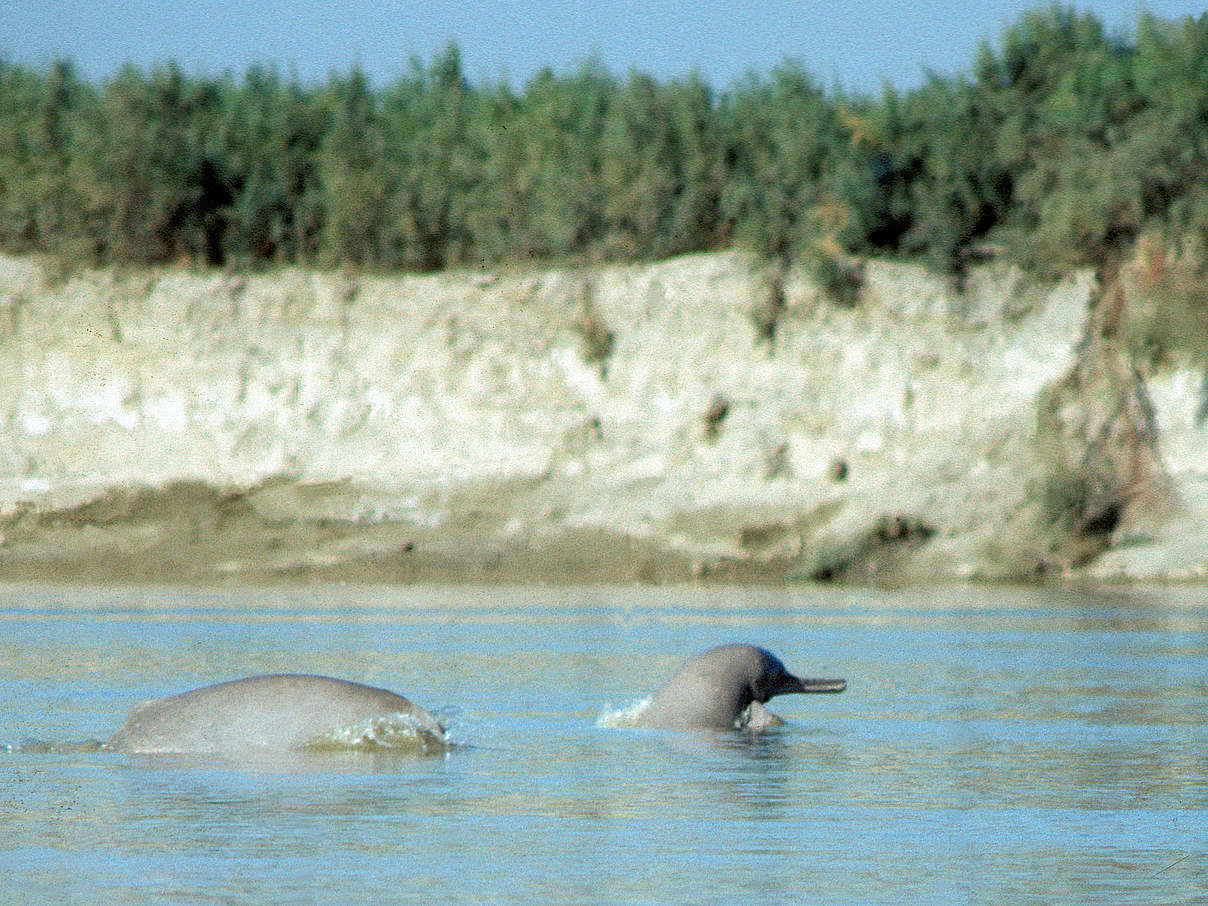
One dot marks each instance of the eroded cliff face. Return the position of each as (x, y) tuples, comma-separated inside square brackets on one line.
[(1103, 471), (624, 423)]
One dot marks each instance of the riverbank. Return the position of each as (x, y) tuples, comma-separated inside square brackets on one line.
[(613, 424)]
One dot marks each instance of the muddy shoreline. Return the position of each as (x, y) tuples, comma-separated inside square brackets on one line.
[(190, 533)]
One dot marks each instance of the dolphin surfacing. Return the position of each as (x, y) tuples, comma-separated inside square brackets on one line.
[(264, 713), (713, 690)]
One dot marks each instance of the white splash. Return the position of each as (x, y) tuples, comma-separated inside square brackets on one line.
[(386, 732), (629, 716)]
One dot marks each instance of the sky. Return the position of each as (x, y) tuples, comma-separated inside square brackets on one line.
[(857, 46)]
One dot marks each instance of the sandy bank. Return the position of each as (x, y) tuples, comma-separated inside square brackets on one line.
[(623, 423)]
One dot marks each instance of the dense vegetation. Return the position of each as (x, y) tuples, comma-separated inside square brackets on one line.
[(1061, 147)]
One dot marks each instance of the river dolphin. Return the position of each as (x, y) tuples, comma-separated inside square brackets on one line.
[(715, 689), (263, 713)]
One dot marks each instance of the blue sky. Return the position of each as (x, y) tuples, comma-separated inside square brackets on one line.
[(857, 45)]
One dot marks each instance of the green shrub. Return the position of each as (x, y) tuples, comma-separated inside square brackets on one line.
[(1062, 145)]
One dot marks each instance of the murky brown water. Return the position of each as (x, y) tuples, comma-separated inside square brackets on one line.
[(994, 745)]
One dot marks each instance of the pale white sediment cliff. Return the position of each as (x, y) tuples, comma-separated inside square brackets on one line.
[(473, 401)]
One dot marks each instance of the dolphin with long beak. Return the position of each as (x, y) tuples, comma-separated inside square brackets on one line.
[(725, 688)]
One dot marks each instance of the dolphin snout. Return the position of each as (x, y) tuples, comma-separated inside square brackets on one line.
[(814, 685)]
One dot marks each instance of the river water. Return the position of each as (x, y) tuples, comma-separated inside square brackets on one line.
[(994, 745)]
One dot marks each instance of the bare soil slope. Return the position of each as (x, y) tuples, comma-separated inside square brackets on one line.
[(620, 423)]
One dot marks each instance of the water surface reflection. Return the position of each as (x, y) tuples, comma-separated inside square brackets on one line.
[(994, 744)]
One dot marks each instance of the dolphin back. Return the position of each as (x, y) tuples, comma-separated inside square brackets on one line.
[(262, 713)]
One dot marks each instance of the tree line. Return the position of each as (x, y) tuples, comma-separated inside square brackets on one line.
[(1060, 146)]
